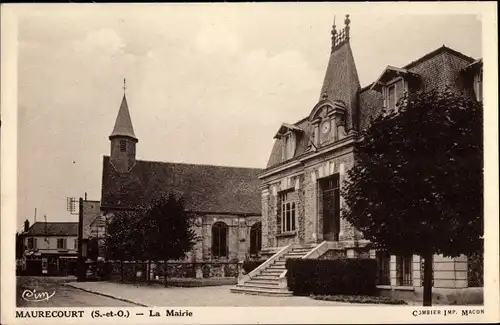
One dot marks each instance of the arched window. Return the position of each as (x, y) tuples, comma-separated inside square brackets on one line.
[(219, 239), (255, 238)]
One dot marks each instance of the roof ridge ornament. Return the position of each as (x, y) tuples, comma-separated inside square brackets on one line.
[(324, 94), (342, 36)]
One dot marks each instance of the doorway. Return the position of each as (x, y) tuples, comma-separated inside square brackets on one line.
[(330, 195), (255, 239)]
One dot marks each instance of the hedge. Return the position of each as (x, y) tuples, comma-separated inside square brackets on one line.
[(331, 277)]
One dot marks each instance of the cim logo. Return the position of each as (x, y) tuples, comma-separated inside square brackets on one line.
[(34, 296)]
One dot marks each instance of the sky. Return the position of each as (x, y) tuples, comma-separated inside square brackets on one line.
[(206, 83)]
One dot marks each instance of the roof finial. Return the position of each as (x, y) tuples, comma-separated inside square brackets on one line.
[(347, 21), (334, 33), (124, 85)]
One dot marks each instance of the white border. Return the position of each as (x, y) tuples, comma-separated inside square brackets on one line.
[(359, 314)]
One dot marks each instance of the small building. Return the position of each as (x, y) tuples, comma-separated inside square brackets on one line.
[(51, 248)]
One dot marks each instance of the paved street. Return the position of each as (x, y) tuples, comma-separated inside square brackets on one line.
[(157, 295), (64, 296)]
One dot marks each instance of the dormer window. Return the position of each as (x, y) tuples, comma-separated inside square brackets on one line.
[(473, 73), (393, 93), (478, 85), (393, 83), (288, 135), (288, 146)]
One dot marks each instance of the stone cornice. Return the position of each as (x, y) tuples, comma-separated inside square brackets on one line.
[(299, 161)]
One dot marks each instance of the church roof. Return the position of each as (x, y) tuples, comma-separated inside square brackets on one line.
[(205, 188), (53, 229), (123, 124)]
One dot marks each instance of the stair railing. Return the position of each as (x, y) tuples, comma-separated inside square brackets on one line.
[(317, 251), (270, 261)]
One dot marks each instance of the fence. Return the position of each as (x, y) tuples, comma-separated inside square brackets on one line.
[(154, 271)]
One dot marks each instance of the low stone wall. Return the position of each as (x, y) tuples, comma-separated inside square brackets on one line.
[(138, 271)]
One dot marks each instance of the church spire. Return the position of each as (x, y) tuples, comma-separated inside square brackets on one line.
[(123, 124)]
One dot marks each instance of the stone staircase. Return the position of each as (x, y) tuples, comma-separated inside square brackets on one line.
[(269, 279)]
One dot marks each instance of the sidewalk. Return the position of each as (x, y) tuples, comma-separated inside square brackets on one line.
[(157, 295)]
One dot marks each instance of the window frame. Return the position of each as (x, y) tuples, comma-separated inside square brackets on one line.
[(123, 145), (394, 83), (404, 270), (478, 85), (288, 212), (288, 146), (384, 267), (218, 251), (64, 243)]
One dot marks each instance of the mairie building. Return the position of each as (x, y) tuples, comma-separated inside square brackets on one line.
[(300, 187)]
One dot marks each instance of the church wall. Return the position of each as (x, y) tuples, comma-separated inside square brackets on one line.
[(238, 238)]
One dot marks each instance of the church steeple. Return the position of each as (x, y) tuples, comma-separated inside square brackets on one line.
[(123, 139), (341, 81), (123, 124)]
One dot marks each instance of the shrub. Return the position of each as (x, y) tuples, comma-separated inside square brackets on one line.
[(360, 299), (250, 265), (328, 277)]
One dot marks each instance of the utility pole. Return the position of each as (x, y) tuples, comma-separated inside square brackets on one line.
[(81, 262)]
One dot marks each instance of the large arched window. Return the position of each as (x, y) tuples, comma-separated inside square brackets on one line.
[(255, 238), (219, 239)]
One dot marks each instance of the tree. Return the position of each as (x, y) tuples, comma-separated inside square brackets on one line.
[(167, 230), (19, 245), (122, 237), (160, 230), (417, 183)]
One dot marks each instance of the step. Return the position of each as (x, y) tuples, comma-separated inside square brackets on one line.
[(266, 277), (272, 272), (262, 291), (263, 283), (301, 249)]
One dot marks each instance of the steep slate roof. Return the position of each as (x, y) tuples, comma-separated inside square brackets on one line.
[(53, 229), (123, 124), (341, 82), (212, 189)]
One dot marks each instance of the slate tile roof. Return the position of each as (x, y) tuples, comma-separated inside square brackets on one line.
[(436, 68), (53, 229), (123, 125), (206, 188)]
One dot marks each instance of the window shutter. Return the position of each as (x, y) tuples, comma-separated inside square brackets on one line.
[(35, 243)]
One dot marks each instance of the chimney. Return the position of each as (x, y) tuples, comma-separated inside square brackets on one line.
[(26, 225)]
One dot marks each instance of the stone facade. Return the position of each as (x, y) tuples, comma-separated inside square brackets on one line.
[(322, 151)]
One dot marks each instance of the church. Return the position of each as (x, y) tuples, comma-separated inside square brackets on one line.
[(300, 187), (225, 200)]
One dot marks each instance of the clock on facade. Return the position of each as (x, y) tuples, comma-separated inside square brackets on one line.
[(325, 127)]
